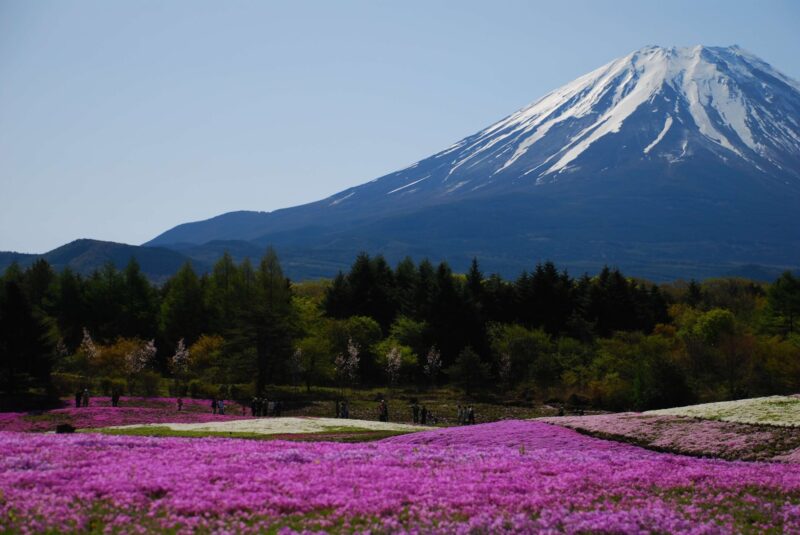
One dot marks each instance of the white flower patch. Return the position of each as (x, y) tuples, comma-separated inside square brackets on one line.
[(284, 426), (772, 410)]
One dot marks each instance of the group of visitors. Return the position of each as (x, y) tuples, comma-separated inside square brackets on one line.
[(342, 409), (466, 415), (217, 406), (260, 407), (82, 398), (421, 415)]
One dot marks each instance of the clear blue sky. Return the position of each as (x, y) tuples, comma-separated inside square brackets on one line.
[(119, 120)]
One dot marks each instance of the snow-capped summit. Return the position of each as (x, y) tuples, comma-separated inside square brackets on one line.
[(684, 156), (656, 104)]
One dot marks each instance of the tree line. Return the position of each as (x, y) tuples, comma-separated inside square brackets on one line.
[(606, 340)]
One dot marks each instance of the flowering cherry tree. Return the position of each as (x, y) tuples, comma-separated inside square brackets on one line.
[(180, 360), (347, 363), (88, 346), (138, 359), (393, 361), (89, 350)]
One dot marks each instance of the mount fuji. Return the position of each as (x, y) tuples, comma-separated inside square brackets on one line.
[(668, 162)]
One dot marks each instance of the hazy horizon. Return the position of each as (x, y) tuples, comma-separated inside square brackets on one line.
[(119, 121)]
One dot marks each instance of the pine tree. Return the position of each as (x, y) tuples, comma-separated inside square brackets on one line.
[(26, 350), (270, 326), (183, 313), (783, 298)]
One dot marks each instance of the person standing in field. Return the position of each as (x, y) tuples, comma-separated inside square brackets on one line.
[(85, 397), (213, 405), (78, 397), (180, 403), (221, 406), (423, 417), (471, 415)]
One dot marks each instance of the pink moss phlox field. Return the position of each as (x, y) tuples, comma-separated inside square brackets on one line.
[(505, 477), (691, 436), (131, 411)]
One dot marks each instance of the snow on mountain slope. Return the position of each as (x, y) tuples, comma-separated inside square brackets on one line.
[(661, 105), (711, 121)]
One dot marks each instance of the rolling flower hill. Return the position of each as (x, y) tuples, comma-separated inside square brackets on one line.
[(765, 428)]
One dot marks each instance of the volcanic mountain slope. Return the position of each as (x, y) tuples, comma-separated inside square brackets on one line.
[(666, 162)]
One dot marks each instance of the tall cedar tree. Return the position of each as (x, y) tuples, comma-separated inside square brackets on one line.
[(270, 323), (25, 349)]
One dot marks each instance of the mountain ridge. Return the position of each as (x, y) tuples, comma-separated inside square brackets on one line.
[(85, 256)]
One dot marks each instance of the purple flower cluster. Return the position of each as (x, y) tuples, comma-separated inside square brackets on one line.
[(692, 436), (505, 477), (132, 411)]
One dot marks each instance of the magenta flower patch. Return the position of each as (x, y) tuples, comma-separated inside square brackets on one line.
[(506, 477)]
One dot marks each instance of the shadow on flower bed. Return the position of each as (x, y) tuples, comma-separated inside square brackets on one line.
[(689, 436)]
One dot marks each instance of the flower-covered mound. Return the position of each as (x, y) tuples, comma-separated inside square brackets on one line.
[(285, 425), (131, 411), (773, 410), (690, 436), (514, 476)]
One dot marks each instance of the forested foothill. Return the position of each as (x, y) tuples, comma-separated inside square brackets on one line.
[(605, 341)]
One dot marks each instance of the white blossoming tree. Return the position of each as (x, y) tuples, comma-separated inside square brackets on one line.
[(89, 352), (394, 359), (179, 363), (347, 365), (137, 360)]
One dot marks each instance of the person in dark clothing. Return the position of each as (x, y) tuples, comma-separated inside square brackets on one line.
[(253, 403), (345, 409), (338, 409), (471, 415), (423, 417), (213, 405), (115, 398), (415, 413), (78, 398)]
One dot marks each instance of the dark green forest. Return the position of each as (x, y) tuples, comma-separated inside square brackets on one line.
[(606, 341)]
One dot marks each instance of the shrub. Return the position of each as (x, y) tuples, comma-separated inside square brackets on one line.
[(200, 390), (66, 384), (148, 383), (105, 385)]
